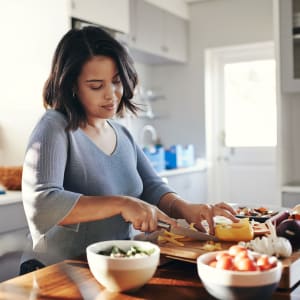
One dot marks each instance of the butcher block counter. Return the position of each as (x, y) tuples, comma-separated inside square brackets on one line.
[(72, 280)]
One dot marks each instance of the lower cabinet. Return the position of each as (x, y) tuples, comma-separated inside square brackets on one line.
[(12, 245), (13, 232), (191, 187), (290, 200)]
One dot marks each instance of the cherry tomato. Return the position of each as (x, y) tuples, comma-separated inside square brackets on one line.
[(235, 249), (265, 263), (246, 264), (224, 263), (221, 254), (241, 255), (213, 263)]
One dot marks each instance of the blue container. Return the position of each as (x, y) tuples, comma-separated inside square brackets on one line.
[(156, 156), (178, 156)]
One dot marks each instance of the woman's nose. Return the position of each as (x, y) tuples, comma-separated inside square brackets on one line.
[(109, 91)]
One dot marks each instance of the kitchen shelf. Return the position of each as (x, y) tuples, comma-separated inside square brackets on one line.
[(291, 188)]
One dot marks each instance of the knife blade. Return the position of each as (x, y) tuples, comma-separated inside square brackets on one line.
[(187, 232)]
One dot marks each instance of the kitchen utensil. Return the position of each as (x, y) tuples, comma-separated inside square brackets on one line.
[(187, 232)]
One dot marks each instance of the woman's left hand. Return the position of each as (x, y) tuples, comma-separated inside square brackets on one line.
[(196, 213)]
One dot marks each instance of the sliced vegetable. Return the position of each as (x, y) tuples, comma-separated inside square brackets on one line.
[(235, 232), (133, 251)]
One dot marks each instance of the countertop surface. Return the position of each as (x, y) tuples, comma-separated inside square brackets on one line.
[(72, 280), (200, 166), (10, 197)]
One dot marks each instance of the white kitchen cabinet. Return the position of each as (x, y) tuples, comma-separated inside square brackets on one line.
[(290, 198), (288, 93), (289, 43), (191, 186), (111, 14), (177, 7), (175, 37), (156, 35), (13, 231)]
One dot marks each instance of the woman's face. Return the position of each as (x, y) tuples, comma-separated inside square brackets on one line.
[(99, 88)]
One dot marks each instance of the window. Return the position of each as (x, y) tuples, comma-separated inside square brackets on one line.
[(250, 103)]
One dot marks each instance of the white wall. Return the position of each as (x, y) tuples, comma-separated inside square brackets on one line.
[(29, 33), (31, 29), (134, 124), (214, 23)]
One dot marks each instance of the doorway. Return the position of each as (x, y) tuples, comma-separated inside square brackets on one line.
[(241, 124)]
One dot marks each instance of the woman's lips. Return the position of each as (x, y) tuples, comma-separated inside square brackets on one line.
[(109, 107)]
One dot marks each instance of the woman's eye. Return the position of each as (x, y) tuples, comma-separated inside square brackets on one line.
[(94, 87)]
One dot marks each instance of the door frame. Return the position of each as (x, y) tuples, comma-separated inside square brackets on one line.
[(214, 61)]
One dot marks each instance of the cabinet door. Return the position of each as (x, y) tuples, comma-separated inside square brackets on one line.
[(175, 37), (146, 27), (156, 32), (289, 45), (190, 186), (110, 14)]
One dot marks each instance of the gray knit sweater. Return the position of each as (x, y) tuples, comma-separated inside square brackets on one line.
[(61, 166)]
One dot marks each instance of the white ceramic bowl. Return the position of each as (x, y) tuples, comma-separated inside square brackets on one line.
[(122, 274), (237, 285)]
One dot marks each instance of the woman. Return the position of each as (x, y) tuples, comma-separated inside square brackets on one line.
[(84, 177)]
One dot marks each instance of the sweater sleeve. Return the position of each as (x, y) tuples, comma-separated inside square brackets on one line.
[(153, 185), (45, 201)]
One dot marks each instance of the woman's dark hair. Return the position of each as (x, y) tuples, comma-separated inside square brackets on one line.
[(75, 48)]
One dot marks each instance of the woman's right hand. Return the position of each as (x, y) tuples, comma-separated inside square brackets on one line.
[(143, 215)]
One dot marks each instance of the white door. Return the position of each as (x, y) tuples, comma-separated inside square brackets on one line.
[(241, 127)]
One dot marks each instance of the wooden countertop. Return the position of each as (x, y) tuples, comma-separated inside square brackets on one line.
[(173, 280)]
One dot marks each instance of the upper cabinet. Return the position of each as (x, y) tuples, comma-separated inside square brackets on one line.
[(111, 14), (157, 35), (288, 17), (153, 34)]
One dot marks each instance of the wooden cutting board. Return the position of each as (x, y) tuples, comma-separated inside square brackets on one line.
[(191, 250)]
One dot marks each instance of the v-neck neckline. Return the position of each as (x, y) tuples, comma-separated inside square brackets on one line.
[(96, 146)]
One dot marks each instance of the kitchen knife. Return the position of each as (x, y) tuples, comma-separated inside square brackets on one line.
[(187, 232)]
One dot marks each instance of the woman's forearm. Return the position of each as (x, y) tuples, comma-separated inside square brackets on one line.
[(172, 205), (92, 208)]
